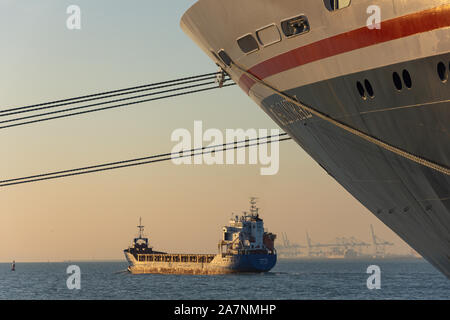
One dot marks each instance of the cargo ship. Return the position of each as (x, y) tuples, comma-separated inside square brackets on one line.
[(245, 248), (362, 86)]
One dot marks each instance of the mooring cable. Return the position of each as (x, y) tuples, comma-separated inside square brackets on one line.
[(109, 92), (109, 107), (145, 160)]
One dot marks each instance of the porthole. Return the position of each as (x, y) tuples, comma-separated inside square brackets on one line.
[(333, 5), (295, 26), (407, 79), (442, 71), (397, 81), (225, 57), (247, 44), (361, 90), (215, 56), (369, 88), (268, 35)]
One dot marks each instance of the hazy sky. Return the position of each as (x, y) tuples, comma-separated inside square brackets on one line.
[(122, 44)]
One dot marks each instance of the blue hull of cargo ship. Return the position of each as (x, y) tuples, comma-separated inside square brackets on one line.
[(253, 262)]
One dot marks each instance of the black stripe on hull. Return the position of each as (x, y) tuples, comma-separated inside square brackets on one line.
[(413, 200)]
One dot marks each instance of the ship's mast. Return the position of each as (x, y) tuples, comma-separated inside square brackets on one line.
[(141, 228), (253, 208)]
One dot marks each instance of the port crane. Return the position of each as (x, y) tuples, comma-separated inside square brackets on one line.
[(379, 245), (341, 246), (289, 249)]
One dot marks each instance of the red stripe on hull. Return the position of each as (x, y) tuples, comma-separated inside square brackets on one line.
[(393, 29)]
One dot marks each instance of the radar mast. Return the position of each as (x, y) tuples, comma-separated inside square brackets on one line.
[(253, 208), (141, 229)]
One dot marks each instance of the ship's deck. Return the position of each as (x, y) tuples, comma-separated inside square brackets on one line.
[(176, 257)]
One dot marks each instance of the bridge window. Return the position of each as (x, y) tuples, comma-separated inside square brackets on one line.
[(333, 5), (268, 35), (248, 44), (295, 26)]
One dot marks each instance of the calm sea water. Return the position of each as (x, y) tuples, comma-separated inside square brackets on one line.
[(290, 279)]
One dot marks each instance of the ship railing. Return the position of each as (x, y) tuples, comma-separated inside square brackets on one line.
[(174, 257)]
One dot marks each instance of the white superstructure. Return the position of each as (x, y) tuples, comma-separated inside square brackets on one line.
[(246, 234)]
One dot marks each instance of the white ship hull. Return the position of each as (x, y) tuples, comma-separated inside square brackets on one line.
[(322, 67)]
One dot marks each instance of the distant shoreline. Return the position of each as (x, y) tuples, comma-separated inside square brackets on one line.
[(64, 261), (305, 259), (323, 259)]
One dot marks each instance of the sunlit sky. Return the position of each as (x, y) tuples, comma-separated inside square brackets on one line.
[(123, 44)]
